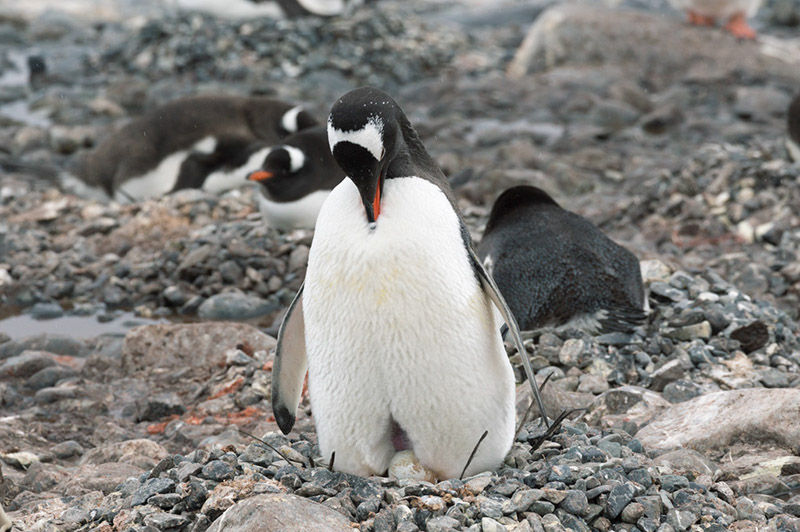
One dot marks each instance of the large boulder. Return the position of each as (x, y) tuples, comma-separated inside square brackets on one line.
[(200, 346), (664, 47), (278, 512), (711, 423)]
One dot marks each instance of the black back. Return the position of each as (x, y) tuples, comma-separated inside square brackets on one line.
[(552, 265)]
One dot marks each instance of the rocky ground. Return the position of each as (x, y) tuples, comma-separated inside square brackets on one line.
[(667, 137)]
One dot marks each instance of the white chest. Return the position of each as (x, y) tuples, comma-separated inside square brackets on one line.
[(299, 214), (407, 280)]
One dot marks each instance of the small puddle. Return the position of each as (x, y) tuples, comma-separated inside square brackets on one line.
[(24, 325)]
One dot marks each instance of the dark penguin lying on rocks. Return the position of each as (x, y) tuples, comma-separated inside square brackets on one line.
[(296, 178), (556, 269), (208, 142)]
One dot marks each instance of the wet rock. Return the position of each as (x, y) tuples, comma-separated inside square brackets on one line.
[(46, 311), (26, 364), (275, 512), (49, 376), (234, 306)]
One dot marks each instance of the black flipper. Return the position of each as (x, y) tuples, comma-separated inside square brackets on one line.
[(289, 368), (488, 285)]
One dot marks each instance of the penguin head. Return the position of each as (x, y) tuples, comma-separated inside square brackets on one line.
[(521, 198), (365, 136), (299, 166), (281, 164)]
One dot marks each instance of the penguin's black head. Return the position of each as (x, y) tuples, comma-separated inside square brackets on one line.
[(364, 133), (282, 165), (514, 199)]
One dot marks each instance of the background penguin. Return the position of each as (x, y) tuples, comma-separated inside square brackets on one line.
[(403, 346), (555, 268), (296, 178), (182, 143), (793, 120), (734, 13)]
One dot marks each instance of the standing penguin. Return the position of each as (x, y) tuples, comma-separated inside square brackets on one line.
[(208, 142), (557, 269), (395, 321), (793, 121), (296, 178)]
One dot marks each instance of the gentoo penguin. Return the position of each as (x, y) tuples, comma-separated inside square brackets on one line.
[(557, 269), (793, 120), (209, 142), (296, 178), (395, 320), (734, 13)]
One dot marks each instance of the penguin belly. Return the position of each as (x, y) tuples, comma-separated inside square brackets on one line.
[(298, 214), (399, 331)]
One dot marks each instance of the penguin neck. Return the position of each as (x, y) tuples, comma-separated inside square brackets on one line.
[(412, 159)]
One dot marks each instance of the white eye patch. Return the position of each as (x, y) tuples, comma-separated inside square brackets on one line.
[(296, 156), (289, 120), (369, 137)]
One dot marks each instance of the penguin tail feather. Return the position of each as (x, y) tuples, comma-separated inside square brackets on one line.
[(621, 319)]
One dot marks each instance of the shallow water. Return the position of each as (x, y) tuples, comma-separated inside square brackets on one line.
[(23, 325)]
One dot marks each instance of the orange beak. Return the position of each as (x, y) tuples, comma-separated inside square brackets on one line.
[(260, 175), (376, 203)]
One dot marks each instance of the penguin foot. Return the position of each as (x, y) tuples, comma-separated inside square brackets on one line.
[(405, 465), (739, 27), (697, 19)]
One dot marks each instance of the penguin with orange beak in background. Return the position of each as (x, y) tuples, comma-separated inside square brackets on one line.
[(296, 178)]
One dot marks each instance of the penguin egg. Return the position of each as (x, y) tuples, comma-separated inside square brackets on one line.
[(405, 465)]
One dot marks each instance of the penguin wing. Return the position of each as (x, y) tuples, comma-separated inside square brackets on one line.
[(289, 368), (490, 288)]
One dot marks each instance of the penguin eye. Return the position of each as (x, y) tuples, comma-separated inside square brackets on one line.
[(383, 152)]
